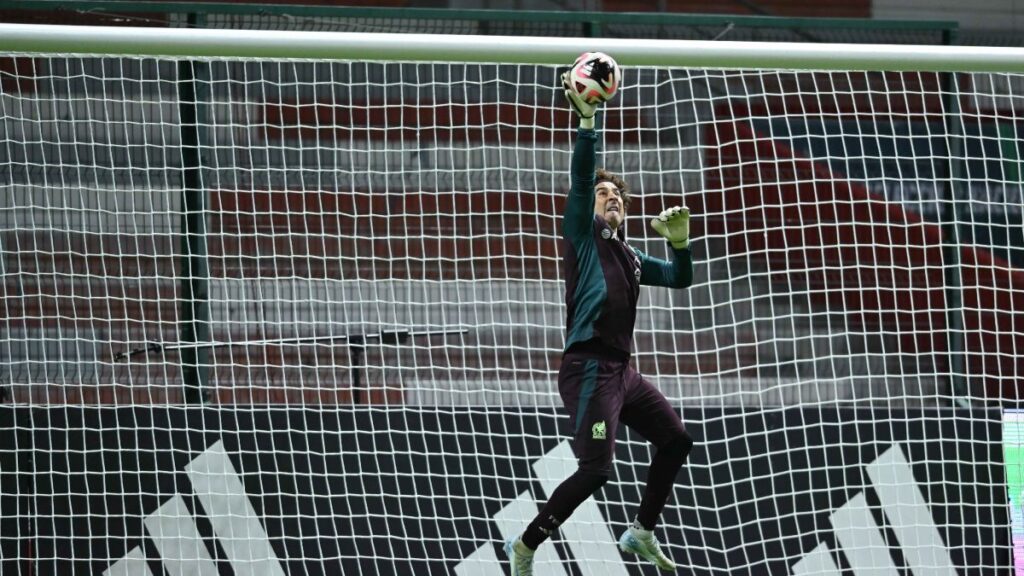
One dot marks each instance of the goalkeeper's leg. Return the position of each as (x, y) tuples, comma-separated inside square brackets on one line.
[(564, 500), (661, 477), (639, 538), (594, 422), (572, 492), (647, 411)]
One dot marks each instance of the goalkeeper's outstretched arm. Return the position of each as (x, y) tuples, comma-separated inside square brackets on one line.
[(579, 209)]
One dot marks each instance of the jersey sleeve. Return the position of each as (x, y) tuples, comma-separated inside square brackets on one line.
[(579, 206), (675, 274)]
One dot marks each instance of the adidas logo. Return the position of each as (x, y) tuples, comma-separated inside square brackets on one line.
[(864, 544), (587, 535), (236, 527)]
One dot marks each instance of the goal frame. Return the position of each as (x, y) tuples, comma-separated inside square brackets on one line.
[(204, 43), (200, 44)]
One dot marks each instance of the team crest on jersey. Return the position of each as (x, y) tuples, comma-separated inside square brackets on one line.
[(600, 431), (606, 233)]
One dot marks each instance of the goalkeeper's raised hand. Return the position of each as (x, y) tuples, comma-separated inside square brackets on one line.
[(674, 224), (584, 110)]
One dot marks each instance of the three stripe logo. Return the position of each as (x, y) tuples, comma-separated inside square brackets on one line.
[(238, 530), (588, 535), (858, 535), (236, 527), (863, 542)]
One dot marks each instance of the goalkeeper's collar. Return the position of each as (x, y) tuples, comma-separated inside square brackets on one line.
[(620, 231)]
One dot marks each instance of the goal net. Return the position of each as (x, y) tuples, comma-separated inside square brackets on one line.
[(276, 315)]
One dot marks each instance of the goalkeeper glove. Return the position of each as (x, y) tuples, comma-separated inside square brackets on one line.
[(674, 224), (583, 109)]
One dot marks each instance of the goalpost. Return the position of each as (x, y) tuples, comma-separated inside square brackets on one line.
[(293, 302)]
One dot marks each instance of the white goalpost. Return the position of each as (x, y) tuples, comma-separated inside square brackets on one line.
[(267, 293)]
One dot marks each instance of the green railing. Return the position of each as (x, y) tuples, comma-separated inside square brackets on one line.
[(488, 22)]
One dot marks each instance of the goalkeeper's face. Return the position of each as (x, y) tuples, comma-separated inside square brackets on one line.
[(609, 204)]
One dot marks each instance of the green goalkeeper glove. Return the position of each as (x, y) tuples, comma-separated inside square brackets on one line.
[(674, 224), (584, 110)]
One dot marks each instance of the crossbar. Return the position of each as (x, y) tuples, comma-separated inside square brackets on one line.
[(208, 43)]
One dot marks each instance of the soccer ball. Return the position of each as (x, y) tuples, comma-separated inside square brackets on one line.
[(596, 77)]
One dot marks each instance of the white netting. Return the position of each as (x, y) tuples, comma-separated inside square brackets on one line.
[(354, 198)]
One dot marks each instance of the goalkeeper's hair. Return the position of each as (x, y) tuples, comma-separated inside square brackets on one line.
[(603, 175)]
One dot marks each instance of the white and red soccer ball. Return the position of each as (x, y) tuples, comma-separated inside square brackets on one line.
[(596, 77)]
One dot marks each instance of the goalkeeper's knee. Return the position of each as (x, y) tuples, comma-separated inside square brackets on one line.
[(678, 448)]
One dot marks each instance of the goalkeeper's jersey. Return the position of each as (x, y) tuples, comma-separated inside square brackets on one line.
[(603, 273)]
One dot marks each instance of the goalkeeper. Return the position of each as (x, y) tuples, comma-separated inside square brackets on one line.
[(599, 388)]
